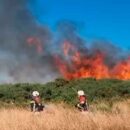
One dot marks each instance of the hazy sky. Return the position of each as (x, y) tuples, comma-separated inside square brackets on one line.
[(97, 19)]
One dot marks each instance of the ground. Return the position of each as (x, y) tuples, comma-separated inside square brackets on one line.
[(61, 117)]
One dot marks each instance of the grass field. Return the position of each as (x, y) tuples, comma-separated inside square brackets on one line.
[(60, 117)]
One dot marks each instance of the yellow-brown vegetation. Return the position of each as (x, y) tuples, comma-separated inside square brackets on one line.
[(58, 117)]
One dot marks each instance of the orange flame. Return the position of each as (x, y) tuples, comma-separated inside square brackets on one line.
[(36, 42), (122, 70), (67, 48), (80, 66)]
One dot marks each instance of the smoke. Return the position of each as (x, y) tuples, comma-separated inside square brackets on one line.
[(28, 50), (112, 53), (20, 62), (68, 32), (101, 59)]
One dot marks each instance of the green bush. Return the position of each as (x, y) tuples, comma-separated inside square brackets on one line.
[(66, 91)]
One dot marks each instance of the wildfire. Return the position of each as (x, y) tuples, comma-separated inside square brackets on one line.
[(122, 70), (67, 48), (76, 65), (36, 42)]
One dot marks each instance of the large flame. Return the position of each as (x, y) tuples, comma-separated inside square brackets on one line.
[(122, 70), (74, 64)]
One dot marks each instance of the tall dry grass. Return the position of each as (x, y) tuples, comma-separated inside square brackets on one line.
[(60, 118)]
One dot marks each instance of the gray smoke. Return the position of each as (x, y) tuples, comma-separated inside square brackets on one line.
[(112, 54), (18, 61)]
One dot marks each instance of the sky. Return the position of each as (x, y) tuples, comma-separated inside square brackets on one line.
[(97, 19)]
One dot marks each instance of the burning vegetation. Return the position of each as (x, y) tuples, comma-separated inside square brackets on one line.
[(77, 64), (74, 63), (43, 56)]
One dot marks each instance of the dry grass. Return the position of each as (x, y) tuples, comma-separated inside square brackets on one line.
[(60, 118)]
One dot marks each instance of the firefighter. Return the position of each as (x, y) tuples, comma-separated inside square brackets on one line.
[(36, 103), (82, 105)]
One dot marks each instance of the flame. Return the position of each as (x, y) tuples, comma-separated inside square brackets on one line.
[(67, 48), (122, 70), (74, 64), (36, 42)]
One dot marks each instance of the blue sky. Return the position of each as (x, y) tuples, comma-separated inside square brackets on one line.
[(97, 19)]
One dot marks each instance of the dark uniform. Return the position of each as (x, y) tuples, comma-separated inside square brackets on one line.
[(82, 105), (36, 104)]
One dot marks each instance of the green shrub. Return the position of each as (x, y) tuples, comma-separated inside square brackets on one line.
[(66, 91)]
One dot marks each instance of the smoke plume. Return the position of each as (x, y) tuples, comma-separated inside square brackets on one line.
[(31, 53), (19, 60)]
